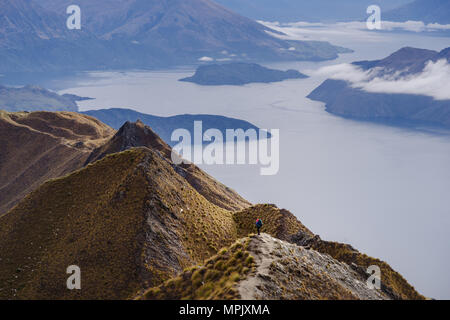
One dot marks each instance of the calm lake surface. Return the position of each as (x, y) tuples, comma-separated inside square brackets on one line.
[(384, 190)]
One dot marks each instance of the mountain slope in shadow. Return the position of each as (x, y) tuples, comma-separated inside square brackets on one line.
[(411, 110), (137, 34)]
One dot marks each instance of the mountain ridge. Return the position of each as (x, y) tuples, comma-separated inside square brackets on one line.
[(134, 224), (138, 34)]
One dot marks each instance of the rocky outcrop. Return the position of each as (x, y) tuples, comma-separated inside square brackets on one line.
[(286, 271)]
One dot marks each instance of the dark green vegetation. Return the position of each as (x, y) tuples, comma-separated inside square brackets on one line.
[(239, 74)]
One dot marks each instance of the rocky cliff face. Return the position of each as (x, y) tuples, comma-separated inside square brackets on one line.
[(290, 272)]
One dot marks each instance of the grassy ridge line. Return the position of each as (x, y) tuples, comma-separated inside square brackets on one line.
[(390, 278), (215, 279)]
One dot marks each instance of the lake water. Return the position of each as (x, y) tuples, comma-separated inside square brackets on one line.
[(384, 190)]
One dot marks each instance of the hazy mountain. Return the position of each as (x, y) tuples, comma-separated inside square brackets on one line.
[(404, 109), (132, 220), (428, 11), (136, 34), (313, 11), (406, 61), (239, 74), (34, 98), (35, 39), (164, 126)]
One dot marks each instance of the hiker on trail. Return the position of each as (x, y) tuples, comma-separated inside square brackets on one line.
[(259, 225)]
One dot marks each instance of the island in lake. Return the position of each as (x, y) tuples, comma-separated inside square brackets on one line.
[(239, 73)]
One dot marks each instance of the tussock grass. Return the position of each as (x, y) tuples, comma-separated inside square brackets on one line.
[(216, 279), (278, 223)]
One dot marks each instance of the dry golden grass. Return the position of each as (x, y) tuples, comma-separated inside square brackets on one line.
[(39, 146), (129, 221), (389, 277), (216, 279), (278, 223)]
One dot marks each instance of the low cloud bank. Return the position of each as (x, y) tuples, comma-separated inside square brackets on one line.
[(356, 29), (433, 81)]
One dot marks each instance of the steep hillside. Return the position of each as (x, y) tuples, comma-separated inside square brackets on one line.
[(118, 34), (180, 31), (35, 39), (129, 221), (392, 283), (138, 134), (139, 226), (216, 279), (263, 267), (42, 145), (55, 144)]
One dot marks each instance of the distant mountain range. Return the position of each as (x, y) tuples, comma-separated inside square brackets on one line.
[(140, 226), (164, 126), (239, 74), (312, 11), (404, 109), (34, 98), (119, 34), (428, 11)]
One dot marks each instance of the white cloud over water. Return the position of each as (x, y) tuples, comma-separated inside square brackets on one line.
[(355, 29), (433, 81)]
